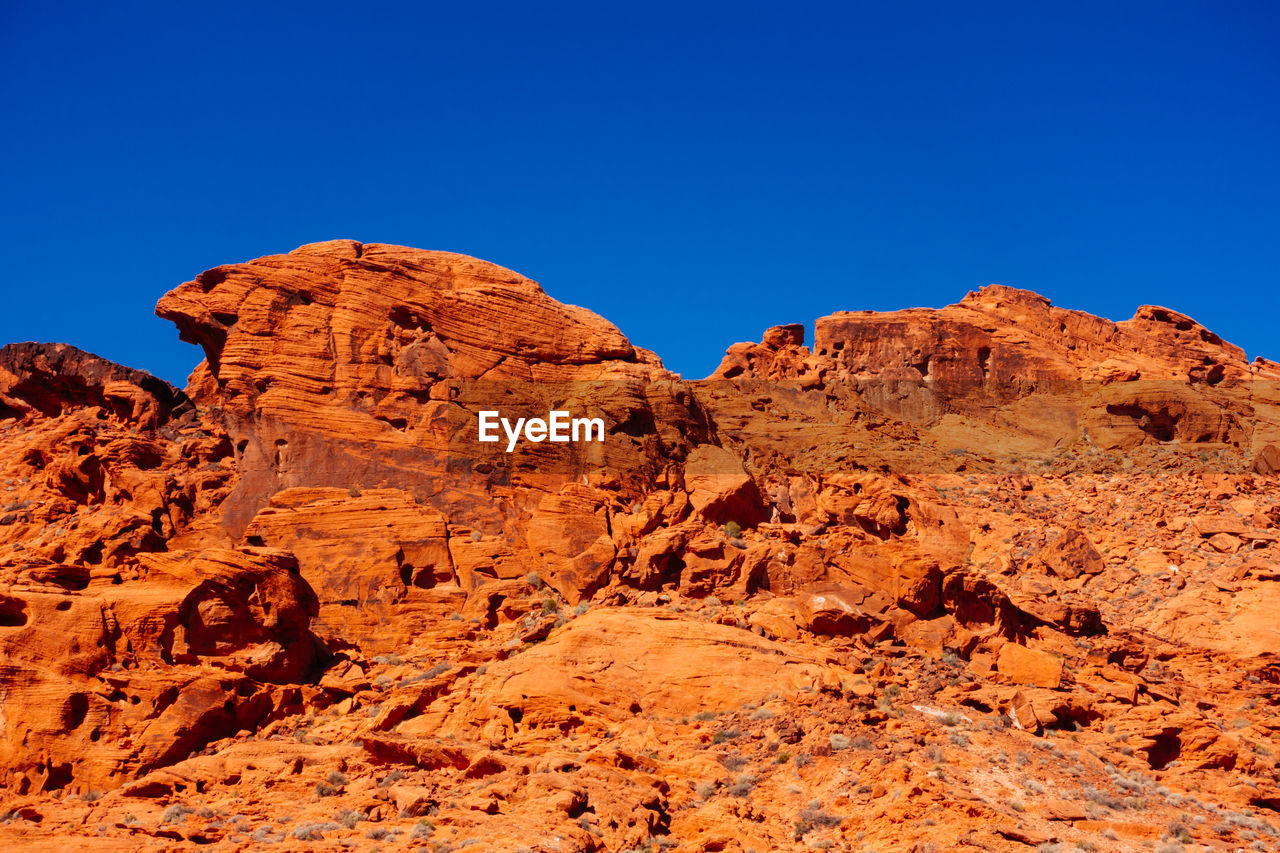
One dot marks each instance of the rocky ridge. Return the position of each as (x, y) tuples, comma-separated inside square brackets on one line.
[(993, 576)]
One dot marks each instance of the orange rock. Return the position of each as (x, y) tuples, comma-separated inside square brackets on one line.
[(1071, 555), (1268, 460), (569, 537), (720, 489), (1029, 666), (975, 552)]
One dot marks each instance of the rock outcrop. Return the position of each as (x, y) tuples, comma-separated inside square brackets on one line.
[(988, 576), (344, 363), (1005, 370)]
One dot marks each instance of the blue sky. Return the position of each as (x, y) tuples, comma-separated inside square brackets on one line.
[(695, 172)]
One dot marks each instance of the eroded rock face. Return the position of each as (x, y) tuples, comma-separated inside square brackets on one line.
[(53, 378), (345, 363), (798, 604), (1006, 370), (115, 647)]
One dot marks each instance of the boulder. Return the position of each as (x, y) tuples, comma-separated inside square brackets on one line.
[(1071, 555), (720, 489), (1029, 666), (1267, 462)]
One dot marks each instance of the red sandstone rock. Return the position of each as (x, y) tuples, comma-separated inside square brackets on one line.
[(997, 553), (720, 489), (1028, 666), (1268, 460)]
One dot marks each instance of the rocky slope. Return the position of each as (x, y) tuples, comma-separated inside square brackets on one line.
[(993, 576)]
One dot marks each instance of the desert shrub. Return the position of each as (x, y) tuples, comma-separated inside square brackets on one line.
[(422, 830), (175, 813), (733, 530), (313, 831), (534, 580), (743, 785), (1102, 798), (264, 835), (439, 669), (813, 816)]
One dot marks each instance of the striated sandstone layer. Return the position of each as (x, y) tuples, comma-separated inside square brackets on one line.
[(996, 576)]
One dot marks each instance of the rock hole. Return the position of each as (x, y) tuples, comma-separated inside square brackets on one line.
[(1165, 747), (922, 366), (13, 612), (73, 713), (210, 279)]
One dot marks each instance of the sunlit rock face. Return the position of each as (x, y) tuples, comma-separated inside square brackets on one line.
[(1000, 564)]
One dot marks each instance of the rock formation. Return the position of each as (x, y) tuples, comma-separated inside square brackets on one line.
[(991, 576)]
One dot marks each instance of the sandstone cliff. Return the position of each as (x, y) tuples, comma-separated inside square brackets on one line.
[(989, 576)]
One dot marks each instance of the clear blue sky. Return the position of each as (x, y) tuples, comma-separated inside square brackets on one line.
[(693, 171)]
